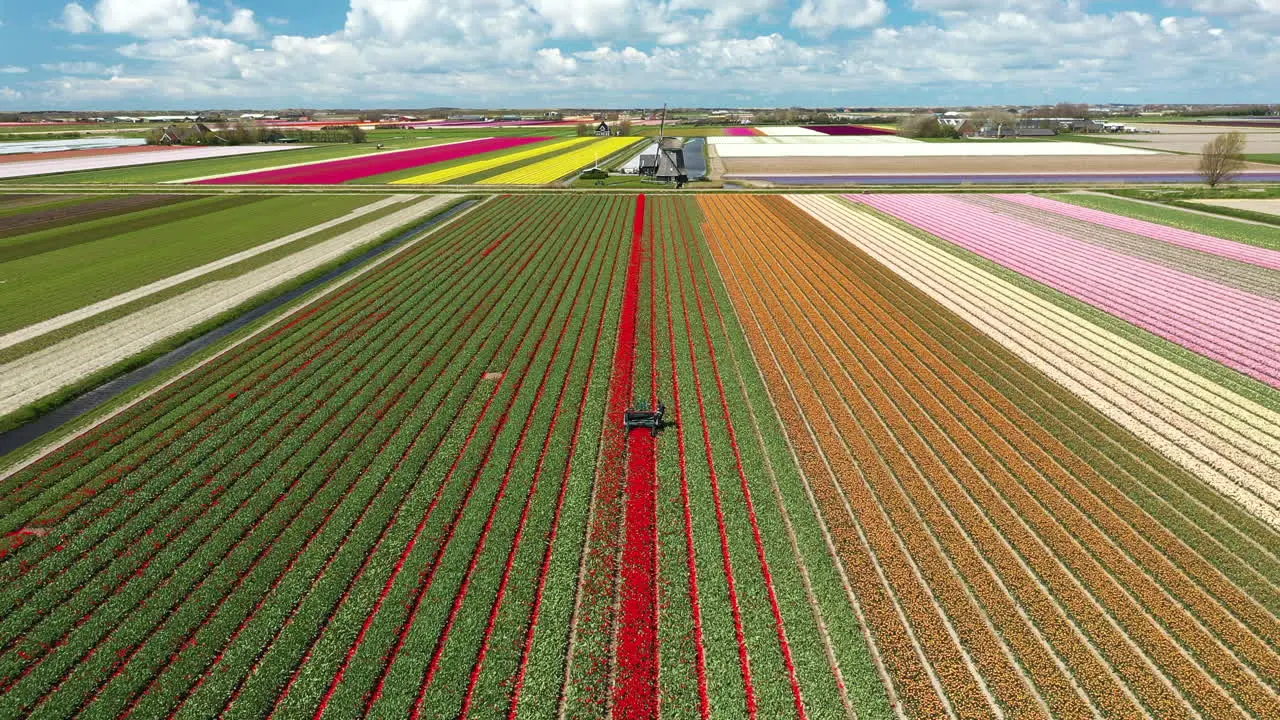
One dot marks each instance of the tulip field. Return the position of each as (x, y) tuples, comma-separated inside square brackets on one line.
[(333, 172), (923, 456)]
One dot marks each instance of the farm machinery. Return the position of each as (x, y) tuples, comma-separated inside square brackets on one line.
[(644, 417)]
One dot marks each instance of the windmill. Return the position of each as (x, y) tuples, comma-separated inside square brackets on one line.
[(667, 164)]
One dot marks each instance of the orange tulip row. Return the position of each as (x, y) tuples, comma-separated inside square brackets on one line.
[(1007, 453), (1061, 483), (898, 377), (867, 538)]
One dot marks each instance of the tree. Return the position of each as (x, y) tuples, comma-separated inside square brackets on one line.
[(583, 129), (925, 125), (1222, 158), (624, 128), (358, 134)]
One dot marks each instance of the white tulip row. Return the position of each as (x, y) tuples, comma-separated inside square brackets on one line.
[(1226, 440)]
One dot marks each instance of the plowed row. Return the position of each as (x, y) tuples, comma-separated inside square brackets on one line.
[(994, 576)]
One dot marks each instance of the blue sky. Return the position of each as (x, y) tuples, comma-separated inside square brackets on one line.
[(184, 54)]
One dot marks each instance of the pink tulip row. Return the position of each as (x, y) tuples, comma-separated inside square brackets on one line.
[(339, 171), (1236, 328), (1176, 236)]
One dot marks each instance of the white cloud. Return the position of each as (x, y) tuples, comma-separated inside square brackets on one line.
[(821, 17), (75, 19), (11, 70), (147, 18), (1230, 7), (82, 68), (9, 94), (156, 19), (241, 24), (549, 61), (643, 52), (590, 18)]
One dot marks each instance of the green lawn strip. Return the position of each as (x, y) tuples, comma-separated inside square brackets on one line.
[(461, 646), (1271, 158), (422, 169), (110, 223), (343, 542), (1224, 228), (1246, 386), (539, 282), (493, 693), (46, 285), (1200, 192), (31, 412), (546, 673), (1233, 212), (1182, 503), (678, 691), (768, 447), (14, 352), (460, 541), (307, 461)]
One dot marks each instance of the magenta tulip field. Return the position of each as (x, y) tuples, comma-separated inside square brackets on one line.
[(348, 169)]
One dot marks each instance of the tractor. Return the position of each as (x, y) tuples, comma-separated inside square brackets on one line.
[(644, 417)]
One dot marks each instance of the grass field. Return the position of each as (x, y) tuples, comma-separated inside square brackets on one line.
[(924, 456), (53, 271)]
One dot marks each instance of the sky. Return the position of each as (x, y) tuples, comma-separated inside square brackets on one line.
[(230, 54)]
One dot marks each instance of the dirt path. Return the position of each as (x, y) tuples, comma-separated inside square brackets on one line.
[(46, 371), (65, 319)]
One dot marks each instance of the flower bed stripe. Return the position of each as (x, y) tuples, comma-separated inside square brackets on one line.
[(635, 685), (215, 504), (1043, 502), (463, 170), (783, 642), (420, 592), (545, 568), (542, 465), (1233, 273), (846, 130), (695, 603), (1261, 257), (1240, 330), (336, 172)]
